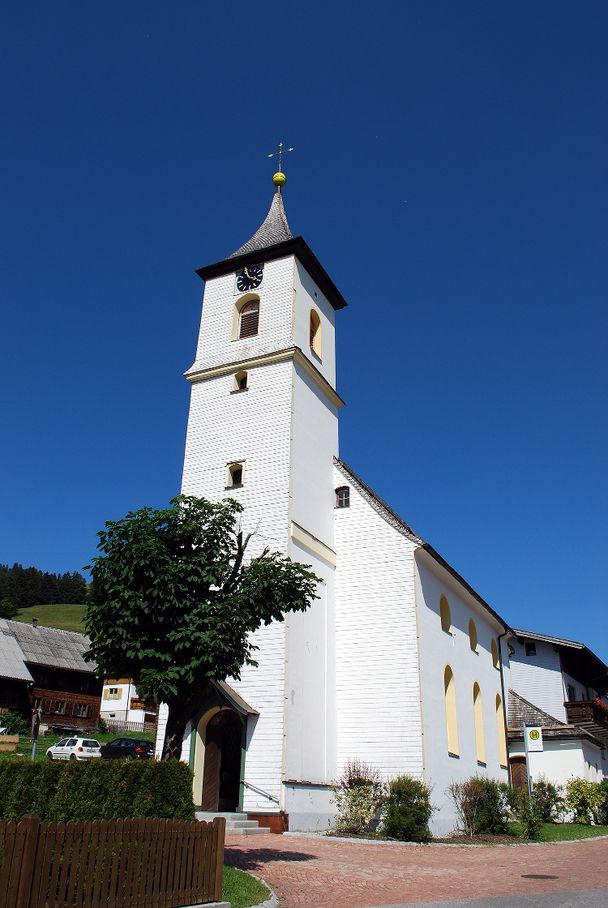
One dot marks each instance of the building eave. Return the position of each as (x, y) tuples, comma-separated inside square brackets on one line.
[(295, 246)]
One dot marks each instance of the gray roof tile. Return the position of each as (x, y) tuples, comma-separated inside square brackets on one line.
[(48, 645)]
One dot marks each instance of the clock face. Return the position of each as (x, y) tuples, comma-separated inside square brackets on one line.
[(249, 278)]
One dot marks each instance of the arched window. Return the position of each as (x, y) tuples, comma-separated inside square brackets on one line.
[(249, 318), (495, 660), (472, 636), (451, 716), (240, 381), (445, 615), (235, 475), (480, 744), (315, 332), (500, 727), (343, 497)]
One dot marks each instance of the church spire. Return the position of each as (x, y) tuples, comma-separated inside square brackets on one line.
[(274, 228)]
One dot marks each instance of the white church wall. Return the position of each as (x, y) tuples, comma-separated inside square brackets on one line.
[(560, 760), (377, 684), (216, 345), (437, 650), (538, 678), (314, 443), (310, 721), (307, 297), (252, 426)]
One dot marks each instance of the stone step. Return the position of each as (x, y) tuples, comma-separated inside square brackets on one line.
[(209, 816), (249, 831), (241, 824)]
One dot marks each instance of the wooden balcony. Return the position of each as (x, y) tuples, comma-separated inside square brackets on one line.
[(591, 715)]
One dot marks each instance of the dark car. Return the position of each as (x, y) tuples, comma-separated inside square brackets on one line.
[(132, 748)]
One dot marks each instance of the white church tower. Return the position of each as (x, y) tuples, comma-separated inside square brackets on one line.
[(263, 428)]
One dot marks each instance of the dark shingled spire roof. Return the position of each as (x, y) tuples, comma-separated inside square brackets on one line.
[(274, 229)]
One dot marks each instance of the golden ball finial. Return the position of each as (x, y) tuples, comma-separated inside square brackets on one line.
[(279, 179)]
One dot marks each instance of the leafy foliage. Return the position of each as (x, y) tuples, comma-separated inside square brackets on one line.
[(358, 795), (22, 587), (8, 609), (97, 789), (14, 723), (528, 812), (602, 811), (174, 604), (407, 810), (548, 800), (481, 806), (584, 799)]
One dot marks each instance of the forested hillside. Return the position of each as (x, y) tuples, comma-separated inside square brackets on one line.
[(24, 586)]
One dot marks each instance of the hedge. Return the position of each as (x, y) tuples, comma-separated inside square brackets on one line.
[(96, 790)]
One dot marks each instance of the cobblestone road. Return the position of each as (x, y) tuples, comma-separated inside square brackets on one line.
[(310, 871)]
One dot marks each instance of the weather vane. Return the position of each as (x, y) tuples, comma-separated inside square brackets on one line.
[(279, 153)]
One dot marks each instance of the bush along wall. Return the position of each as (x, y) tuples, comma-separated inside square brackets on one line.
[(96, 790)]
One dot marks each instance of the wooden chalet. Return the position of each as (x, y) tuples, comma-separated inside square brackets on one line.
[(44, 667)]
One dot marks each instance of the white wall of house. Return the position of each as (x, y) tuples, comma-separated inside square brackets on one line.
[(437, 650), (377, 680), (115, 702), (563, 759), (538, 678)]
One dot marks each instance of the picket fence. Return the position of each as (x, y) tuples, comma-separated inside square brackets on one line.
[(132, 863)]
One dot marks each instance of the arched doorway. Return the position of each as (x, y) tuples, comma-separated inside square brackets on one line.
[(222, 762)]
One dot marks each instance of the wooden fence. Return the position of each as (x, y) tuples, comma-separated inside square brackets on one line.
[(134, 863)]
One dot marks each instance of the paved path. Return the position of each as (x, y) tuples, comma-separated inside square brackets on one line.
[(310, 871)]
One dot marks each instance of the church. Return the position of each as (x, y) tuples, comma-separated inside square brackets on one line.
[(399, 662)]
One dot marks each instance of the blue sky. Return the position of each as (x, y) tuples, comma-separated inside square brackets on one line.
[(450, 173)]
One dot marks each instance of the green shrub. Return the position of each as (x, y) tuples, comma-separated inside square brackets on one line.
[(407, 810), (14, 723), (358, 796), (528, 811), (602, 811), (481, 806), (584, 799), (547, 799), (96, 790)]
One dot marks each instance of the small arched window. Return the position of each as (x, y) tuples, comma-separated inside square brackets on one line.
[(235, 476), (500, 728), (249, 318), (240, 381), (451, 717), (472, 636), (480, 744), (495, 658), (445, 615), (315, 333), (343, 497)]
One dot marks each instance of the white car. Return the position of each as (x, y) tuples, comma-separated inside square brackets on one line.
[(74, 749)]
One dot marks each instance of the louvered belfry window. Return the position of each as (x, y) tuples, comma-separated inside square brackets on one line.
[(250, 318)]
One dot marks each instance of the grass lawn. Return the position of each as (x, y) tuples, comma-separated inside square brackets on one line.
[(24, 748), (65, 617), (241, 889), (563, 832)]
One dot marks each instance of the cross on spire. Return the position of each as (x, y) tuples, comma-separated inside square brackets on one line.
[(279, 153)]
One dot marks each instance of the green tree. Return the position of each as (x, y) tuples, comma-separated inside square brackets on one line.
[(174, 602)]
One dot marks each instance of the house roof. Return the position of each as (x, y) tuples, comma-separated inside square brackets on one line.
[(11, 660), (401, 526), (47, 646), (273, 229), (521, 712), (579, 661)]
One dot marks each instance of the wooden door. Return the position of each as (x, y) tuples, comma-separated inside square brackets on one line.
[(519, 774), (222, 767)]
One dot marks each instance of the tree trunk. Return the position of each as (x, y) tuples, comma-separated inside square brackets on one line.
[(181, 710), (179, 713)]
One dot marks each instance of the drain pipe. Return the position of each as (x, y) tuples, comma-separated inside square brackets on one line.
[(504, 703)]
